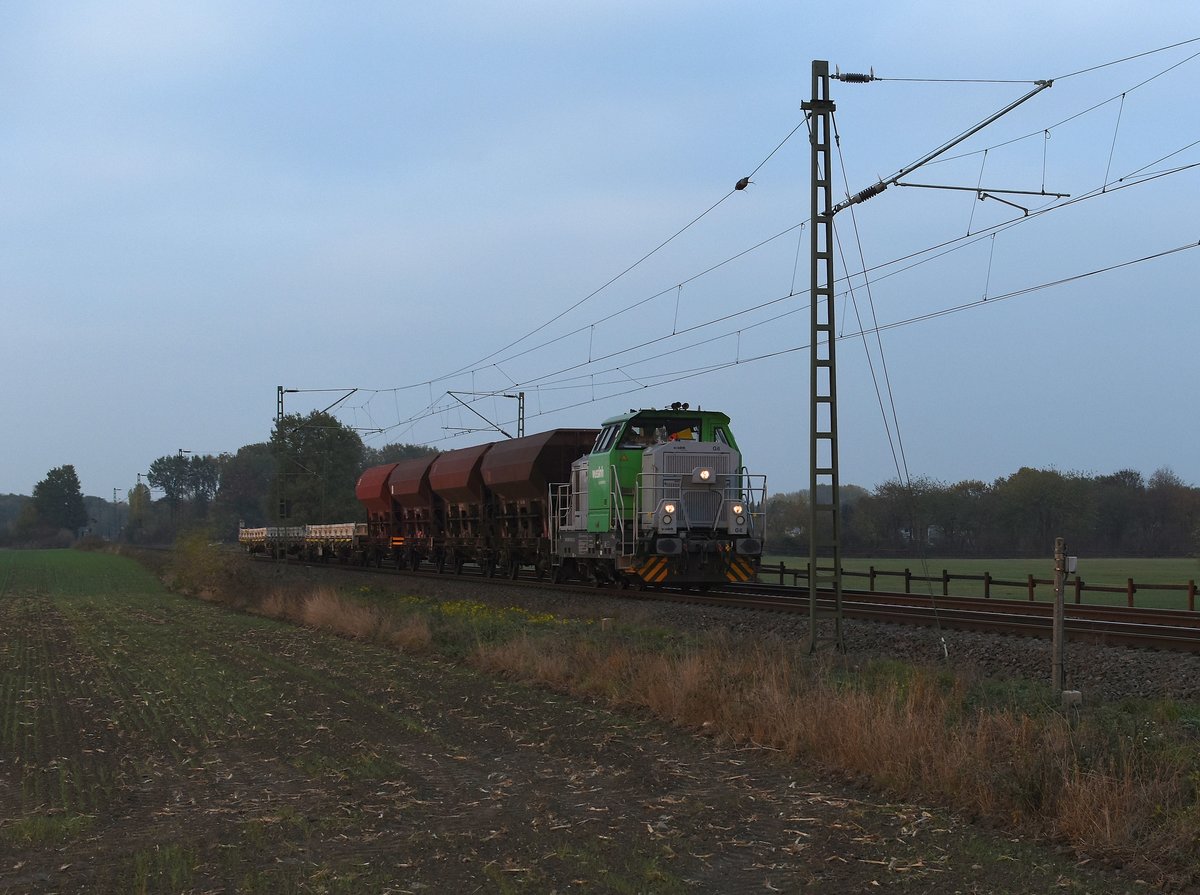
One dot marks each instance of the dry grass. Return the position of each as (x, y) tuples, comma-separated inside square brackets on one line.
[(327, 609), (411, 634), (330, 610)]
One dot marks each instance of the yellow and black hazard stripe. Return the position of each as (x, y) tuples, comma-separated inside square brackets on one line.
[(655, 569), (740, 569)]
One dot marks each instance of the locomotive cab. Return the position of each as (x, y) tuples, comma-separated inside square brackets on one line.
[(662, 498)]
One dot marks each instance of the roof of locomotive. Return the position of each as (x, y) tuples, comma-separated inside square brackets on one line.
[(714, 416)]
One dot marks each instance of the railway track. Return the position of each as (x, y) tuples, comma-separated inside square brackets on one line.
[(1111, 625), (1160, 629)]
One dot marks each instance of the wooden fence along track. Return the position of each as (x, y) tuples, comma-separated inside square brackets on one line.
[(1164, 629), (1075, 587)]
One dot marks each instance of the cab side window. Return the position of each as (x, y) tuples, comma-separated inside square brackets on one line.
[(604, 441), (636, 438)]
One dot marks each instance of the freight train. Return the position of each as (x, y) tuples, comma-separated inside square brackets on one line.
[(654, 497)]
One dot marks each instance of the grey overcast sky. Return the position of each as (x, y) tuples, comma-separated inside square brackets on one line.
[(202, 201)]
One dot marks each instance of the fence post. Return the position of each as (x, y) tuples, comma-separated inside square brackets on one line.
[(872, 579), (1031, 584), (1078, 590), (1059, 648), (987, 585), (781, 570), (1129, 590), (945, 583), (908, 581), (1191, 595)]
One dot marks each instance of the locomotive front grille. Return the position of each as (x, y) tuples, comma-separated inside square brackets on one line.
[(702, 507), (720, 463), (668, 474)]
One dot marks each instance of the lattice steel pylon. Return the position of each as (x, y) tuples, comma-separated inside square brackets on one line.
[(824, 497), (824, 493)]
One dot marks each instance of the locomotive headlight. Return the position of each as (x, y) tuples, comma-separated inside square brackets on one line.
[(665, 517), (702, 476), (737, 518), (705, 475)]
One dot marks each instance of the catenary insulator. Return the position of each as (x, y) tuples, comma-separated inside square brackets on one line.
[(855, 77), (868, 193)]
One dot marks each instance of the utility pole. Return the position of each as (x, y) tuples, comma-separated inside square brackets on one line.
[(824, 492), (824, 516), (280, 391), (520, 396), (282, 461)]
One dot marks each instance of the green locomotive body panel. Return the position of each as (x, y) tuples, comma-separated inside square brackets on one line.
[(618, 453)]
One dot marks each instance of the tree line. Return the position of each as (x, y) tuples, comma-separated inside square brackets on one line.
[(307, 470), (1121, 514), (305, 473)]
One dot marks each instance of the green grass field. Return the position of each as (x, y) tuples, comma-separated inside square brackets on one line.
[(155, 743), (1104, 571)]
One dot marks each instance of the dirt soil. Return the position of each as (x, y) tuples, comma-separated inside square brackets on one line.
[(332, 766)]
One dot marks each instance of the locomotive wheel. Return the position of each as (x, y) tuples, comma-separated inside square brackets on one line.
[(514, 569)]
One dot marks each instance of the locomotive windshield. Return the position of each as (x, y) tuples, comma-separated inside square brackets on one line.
[(647, 431)]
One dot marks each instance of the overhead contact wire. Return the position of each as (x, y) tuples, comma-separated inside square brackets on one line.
[(631, 267), (1089, 109), (1084, 71), (953, 245), (949, 247), (903, 475), (679, 376)]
